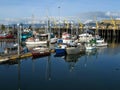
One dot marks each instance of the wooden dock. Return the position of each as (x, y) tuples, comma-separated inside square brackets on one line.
[(14, 57), (7, 57)]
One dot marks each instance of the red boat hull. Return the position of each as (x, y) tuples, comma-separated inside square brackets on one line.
[(40, 54)]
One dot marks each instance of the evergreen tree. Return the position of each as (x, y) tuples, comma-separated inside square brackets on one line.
[(2, 27)]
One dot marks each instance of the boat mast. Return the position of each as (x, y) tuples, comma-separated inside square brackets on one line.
[(49, 32), (59, 22), (18, 37), (48, 29), (97, 26), (33, 26)]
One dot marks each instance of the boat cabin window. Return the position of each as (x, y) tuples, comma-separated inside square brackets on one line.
[(43, 37)]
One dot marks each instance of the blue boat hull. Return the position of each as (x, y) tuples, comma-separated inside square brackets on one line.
[(60, 51)]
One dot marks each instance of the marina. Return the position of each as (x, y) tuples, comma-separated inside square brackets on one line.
[(59, 45), (64, 61)]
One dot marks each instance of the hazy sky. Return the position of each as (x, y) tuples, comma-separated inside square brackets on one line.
[(25, 8)]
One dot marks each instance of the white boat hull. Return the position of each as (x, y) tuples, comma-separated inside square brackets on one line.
[(73, 50), (90, 47), (101, 42), (36, 42), (101, 45), (53, 40)]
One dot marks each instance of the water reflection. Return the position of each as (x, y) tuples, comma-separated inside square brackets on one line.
[(48, 69), (47, 60), (101, 49), (9, 62), (19, 76), (91, 52), (72, 60), (52, 72)]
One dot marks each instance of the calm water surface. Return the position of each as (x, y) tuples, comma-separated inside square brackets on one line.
[(95, 70)]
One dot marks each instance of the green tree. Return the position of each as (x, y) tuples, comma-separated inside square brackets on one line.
[(2, 27)]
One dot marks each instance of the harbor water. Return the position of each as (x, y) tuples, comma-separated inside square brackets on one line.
[(93, 70)]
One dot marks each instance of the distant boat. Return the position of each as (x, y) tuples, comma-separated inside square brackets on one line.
[(6, 36), (66, 38), (85, 37), (2, 35), (100, 42)]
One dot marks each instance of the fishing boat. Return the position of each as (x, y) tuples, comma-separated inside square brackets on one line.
[(6, 36), (66, 38), (39, 40), (73, 49), (101, 42), (35, 42), (90, 45), (9, 36), (85, 37), (60, 49), (37, 54), (25, 35), (2, 35), (40, 51)]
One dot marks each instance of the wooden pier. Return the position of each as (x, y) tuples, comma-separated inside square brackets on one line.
[(7, 57)]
